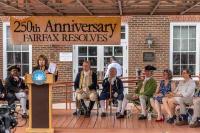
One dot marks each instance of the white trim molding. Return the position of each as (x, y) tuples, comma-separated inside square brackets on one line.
[(197, 25), (5, 25)]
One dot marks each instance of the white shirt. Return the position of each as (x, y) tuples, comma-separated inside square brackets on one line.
[(186, 88), (115, 65)]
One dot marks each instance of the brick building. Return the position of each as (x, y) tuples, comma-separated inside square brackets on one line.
[(175, 45)]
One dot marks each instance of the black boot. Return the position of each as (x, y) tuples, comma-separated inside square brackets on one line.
[(83, 105), (91, 105)]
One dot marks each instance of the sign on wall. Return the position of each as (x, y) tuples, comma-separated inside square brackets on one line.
[(65, 56), (148, 56), (65, 30)]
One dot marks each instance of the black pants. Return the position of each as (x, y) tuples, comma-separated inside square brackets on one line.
[(11, 98)]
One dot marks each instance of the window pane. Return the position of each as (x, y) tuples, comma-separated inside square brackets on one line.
[(118, 51), (25, 57), (192, 45), (108, 51), (81, 60), (184, 67), (17, 57), (106, 61), (82, 51), (176, 33), (184, 32), (176, 70), (8, 31), (192, 69), (176, 59), (93, 61), (25, 47), (25, 69), (184, 58), (17, 47), (192, 31), (10, 58), (176, 45), (123, 36), (192, 58), (122, 28), (92, 51), (9, 46), (184, 46), (119, 60)]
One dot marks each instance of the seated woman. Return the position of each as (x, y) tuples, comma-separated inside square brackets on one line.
[(42, 64), (115, 84), (182, 96), (164, 88)]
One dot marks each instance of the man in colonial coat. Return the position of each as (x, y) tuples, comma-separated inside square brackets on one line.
[(85, 86), (144, 91)]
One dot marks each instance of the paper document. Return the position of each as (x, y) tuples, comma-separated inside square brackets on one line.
[(52, 68)]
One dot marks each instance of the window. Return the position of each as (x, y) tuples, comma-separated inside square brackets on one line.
[(90, 52), (124, 34), (15, 54), (184, 48), (110, 51), (87, 53)]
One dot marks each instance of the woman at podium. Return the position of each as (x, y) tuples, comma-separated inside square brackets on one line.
[(42, 64)]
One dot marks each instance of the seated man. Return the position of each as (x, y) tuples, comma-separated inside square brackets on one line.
[(182, 96), (85, 86), (2, 91), (16, 88), (195, 122), (144, 92), (112, 88)]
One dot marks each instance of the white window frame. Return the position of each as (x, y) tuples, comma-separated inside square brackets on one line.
[(172, 24), (124, 43), (5, 24)]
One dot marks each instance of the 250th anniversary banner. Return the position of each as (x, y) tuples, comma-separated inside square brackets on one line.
[(65, 30)]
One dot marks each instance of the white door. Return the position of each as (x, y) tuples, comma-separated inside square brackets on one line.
[(99, 56)]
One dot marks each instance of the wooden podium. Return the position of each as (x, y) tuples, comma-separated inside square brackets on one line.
[(40, 105)]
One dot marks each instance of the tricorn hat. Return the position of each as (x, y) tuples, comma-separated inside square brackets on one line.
[(14, 67), (149, 68)]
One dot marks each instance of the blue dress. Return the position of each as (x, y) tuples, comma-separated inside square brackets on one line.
[(163, 90)]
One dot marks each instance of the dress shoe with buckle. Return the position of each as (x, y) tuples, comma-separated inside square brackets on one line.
[(195, 124), (117, 113), (181, 123), (103, 114), (142, 117), (120, 116), (170, 120)]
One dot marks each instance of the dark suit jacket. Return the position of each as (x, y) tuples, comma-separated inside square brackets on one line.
[(13, 86), (116, 87), (93, 86), (2, 89)]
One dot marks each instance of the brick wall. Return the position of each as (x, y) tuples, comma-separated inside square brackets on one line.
[(1, 49), (139, 28), (64, 68)]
